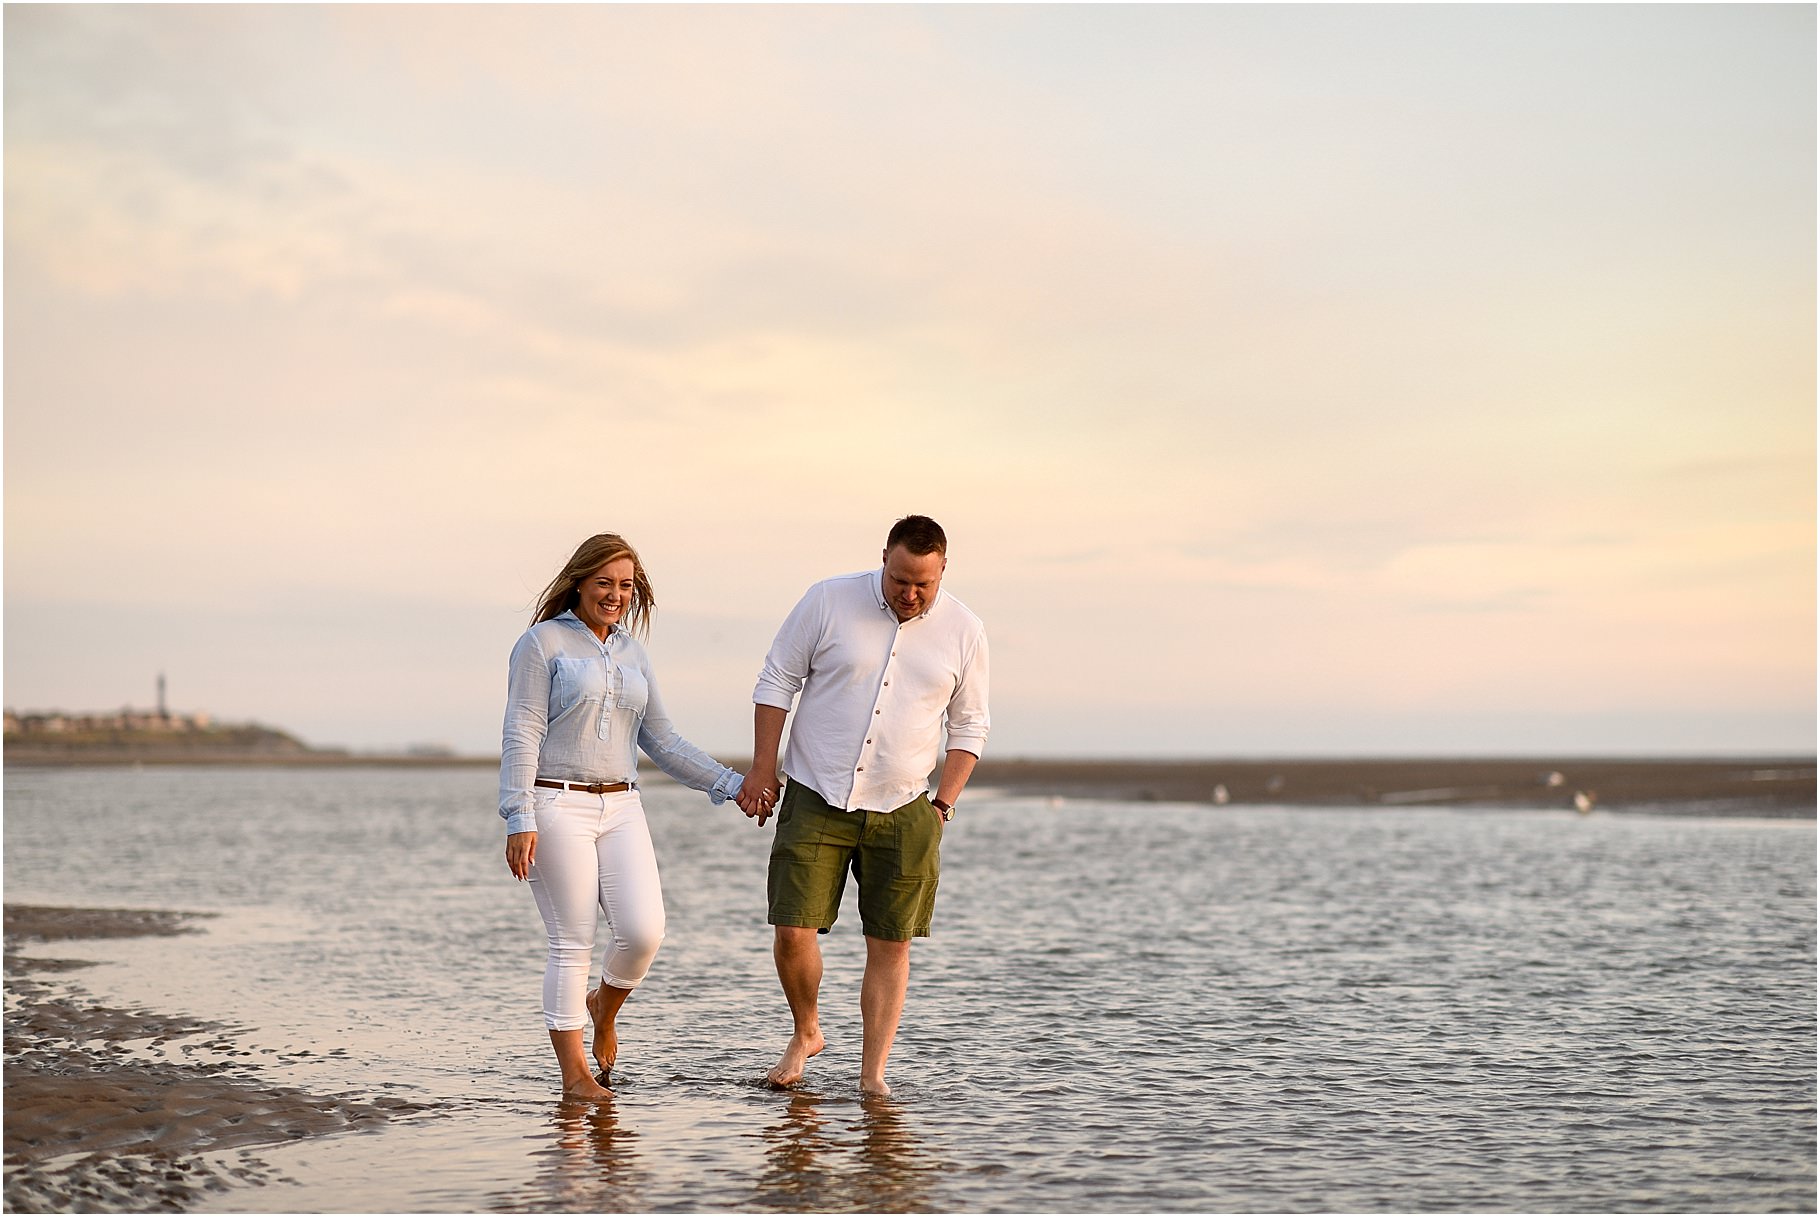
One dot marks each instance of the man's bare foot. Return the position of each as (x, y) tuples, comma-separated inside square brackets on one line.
[(586, 1090), (872, 1089), (789, 1068), (606, 1033)]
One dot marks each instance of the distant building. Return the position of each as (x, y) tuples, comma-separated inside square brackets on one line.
[(56, 722), (139, 736), (127, 719)]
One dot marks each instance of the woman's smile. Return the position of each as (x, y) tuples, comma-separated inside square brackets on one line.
[(601, 598)]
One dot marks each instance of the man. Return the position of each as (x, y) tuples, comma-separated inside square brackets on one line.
[(883, 662)]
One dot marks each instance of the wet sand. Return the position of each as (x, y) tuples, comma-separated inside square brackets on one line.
[(1777, 786), (129, 1109)]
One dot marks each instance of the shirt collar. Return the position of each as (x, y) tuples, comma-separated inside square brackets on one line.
[(568, 616), (878, 598)]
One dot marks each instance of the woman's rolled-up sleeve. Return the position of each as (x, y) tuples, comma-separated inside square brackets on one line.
[(527, 719), (676, 756)]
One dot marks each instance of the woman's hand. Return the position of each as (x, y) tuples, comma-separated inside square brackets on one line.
[(521, 851), (757, 797)]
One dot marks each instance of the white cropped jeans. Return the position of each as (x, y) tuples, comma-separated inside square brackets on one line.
[(594, 856)]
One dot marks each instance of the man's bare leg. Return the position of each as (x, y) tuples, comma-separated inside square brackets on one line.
[(881, 1005), (799, 970), (603, 1008)]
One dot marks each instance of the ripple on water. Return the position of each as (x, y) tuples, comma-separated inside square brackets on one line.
[(1205, 1010)]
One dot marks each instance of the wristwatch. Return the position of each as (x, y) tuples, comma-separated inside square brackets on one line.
[(947, 809)]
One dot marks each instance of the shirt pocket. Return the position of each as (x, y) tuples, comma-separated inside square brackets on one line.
[(634, 690), (574, 680)]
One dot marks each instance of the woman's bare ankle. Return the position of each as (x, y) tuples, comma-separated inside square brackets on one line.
[(585, 1089)]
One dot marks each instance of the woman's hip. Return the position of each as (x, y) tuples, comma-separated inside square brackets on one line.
[(578, 813)]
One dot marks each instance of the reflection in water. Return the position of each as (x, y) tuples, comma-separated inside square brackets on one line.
[(817, 1160), (794, 1175), (897, 1168), (589, 1163)]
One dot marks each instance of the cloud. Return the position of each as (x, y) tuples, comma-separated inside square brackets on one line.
[(1322, 358)]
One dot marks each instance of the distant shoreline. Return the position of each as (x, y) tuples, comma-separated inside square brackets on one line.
[(115, 758), (1763, 785)]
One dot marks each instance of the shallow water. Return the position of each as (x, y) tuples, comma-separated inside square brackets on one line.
[(1124, 1007)]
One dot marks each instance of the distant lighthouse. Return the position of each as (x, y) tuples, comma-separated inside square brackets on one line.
[(164, 715)]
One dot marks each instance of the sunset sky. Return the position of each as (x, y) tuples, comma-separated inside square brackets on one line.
[(1289, 379)]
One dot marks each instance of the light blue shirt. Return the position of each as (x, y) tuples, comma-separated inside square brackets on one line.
[(577, 710)]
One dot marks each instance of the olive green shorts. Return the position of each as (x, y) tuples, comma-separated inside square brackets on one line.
[(895, 856)]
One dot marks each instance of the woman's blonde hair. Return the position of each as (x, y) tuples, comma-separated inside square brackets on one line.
[(592, 554)]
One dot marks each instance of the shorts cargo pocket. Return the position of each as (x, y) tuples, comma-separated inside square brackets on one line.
[(802, 834), (919, 840), (809, 857)]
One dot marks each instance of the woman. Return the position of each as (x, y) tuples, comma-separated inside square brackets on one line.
[(579, 698)]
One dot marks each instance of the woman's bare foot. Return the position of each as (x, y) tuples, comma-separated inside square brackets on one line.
[(586, 1090), (604, 1011), (789, 1068), (874, 1088)]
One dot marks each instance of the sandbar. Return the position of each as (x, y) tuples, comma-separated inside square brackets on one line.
[(96, 1122), (1766, 786)]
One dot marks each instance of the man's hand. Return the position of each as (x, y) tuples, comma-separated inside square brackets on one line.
[(521, 851), (761, 779), (758, 794)]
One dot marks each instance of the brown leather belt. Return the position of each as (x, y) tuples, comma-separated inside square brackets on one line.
[(586, 788)]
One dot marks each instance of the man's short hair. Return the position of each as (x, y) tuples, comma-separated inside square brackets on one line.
[(918, 534)]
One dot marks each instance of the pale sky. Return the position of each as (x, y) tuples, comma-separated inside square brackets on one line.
[(1290, 380)]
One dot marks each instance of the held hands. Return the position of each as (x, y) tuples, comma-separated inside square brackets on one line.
[(521, 851), (757, 795)]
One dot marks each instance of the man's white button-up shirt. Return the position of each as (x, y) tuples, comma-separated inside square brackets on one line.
[(876, 694)]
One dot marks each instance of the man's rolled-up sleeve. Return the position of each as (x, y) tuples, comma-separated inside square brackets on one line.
[(968, 719), (787, 662)]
